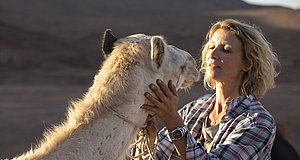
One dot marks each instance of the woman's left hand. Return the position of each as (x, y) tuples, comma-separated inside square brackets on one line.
[(165, 105)]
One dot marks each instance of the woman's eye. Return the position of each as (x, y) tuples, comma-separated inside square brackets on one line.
[(227, 50), (211, 47)]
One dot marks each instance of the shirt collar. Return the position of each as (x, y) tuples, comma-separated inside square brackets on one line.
[(245, 100), (238, 105), (234, 103)]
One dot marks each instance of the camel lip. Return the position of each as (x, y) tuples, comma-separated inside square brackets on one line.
[(187, 83)]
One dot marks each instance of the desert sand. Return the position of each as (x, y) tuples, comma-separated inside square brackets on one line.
[(50, 51)]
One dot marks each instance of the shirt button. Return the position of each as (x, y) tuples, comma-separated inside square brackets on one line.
[(226, 118), (212, 123)]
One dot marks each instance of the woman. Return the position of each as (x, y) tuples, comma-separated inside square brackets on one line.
[(239, 65)]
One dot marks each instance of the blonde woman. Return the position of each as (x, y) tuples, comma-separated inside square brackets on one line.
[(239, 65)]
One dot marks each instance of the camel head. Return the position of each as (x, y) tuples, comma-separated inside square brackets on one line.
[(167, 61)]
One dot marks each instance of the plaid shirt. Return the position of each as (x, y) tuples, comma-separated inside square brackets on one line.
[(246, 131)]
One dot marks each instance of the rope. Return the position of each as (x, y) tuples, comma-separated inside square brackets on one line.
[(145, 150), (114, 112), (151, 152)]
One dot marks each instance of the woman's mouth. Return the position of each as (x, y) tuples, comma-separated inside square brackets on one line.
[(213, 65)]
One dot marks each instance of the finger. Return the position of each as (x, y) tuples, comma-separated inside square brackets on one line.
[(172, 88), (159, 94), (152, 130), (150, 108), (150, 118), (151, 122), (164, 88), (152, 99)]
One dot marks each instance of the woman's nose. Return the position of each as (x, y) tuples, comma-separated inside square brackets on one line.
[(214, 53)]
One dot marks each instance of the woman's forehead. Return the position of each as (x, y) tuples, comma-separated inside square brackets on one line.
[(224, 36)]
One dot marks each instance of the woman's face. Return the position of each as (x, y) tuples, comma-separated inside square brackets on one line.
[(225, 57)]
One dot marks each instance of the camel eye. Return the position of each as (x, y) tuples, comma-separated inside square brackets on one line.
[(182, 68)]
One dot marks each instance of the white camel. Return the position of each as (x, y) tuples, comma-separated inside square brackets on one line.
[(104, 123)]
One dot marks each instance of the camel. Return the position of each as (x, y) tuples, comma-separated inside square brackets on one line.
[(105, 121)]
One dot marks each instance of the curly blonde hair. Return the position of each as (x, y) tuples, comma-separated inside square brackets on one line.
[(258, 55)]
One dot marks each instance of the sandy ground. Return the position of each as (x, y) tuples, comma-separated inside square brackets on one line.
[(50, 52)]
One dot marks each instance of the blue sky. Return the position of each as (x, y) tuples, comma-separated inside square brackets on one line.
[(294, 4)]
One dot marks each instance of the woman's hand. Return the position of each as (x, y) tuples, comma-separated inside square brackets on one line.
[(165, 105), (151, 129)]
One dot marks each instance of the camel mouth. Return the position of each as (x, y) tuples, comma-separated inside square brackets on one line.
[(190, 81), (187, 83)]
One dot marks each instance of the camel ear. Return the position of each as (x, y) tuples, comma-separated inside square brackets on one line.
[(157, 52), (108, 42)]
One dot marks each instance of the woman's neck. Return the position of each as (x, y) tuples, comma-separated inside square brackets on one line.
[(225, 93)]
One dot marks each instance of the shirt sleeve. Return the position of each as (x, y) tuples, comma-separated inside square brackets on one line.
[(165, 148)]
